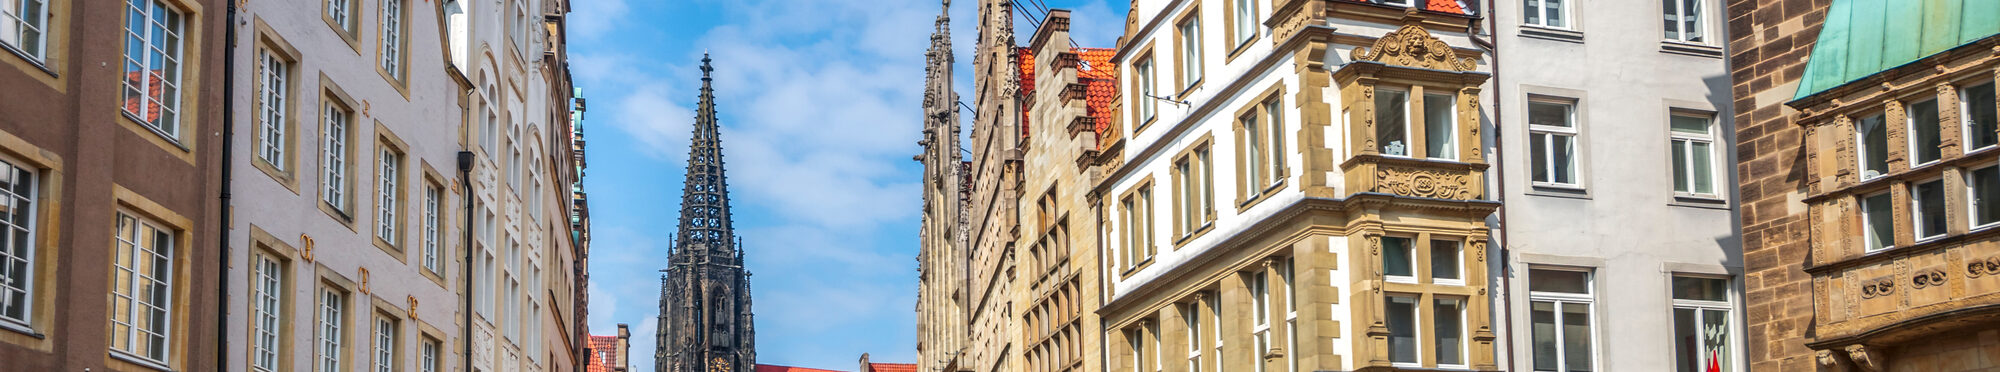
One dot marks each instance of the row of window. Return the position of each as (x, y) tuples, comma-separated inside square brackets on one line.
[(1683, 21), (1555, 156), (1924, 125), (332, 330), (1930, 212), (1562, 321), (1202, 316), (335, 181)]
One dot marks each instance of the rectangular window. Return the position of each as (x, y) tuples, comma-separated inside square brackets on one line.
[(152, 77), (1872, 138), (1401, 315), (1245, 21), (1291, 315), (1552, 143), (488, 137), (334, 182), (1193, 311), (22, 27), (392, 38), (1138, 341), (1190, 44), (1196, 202), (1274, 119), (1559, 312), (1701, 325), (1215, 317), (1683, 20), (1545, 13), (267, 311), (1982, 111), (271, 102), (385, 344), (1878, 222), (1260, 317), (1440, 127), (428, 356), (1392, 124), (514, 168), (1445, 260), (1448, 315), (1146, 96), (431, 241), (142, 289), (1253, 153), (1928, 198), (1693, 143), (387, 216), (332, 321), (17, 244), (1984, 184), (339, 12), (1925, 141), (1399, 261)]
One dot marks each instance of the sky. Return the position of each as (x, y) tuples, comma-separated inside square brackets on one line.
[(820, 107)]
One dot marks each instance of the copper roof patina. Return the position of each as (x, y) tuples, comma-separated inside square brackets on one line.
[(1862, 38)]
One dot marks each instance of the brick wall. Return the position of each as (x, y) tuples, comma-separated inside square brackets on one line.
[(1769, 41)]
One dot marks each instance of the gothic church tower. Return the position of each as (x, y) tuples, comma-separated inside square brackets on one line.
[(705, 320)]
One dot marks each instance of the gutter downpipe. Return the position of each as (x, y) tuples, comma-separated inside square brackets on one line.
[(222, 206), (1506, 277), (465, 178)]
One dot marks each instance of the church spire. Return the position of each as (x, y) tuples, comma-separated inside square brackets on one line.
[(705, 225)]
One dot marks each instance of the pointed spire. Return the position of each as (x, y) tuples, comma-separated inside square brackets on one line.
[(705, 226)]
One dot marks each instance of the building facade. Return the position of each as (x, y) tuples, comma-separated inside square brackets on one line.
[(706, 323), (1868, 185), (1619, 201), (112, 259), (429, 145)]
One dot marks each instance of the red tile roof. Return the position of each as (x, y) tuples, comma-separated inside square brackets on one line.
[(1027, 63), (1095, 71), (779, 368), (601, 349), (1443, 6), (892, 367)]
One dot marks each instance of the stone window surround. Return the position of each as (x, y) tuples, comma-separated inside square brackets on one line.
[(50, 175), (285, 171), (387, 141), (138, 206), (1579, 114), (264, 245)]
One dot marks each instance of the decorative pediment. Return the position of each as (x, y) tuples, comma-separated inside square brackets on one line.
[(1413, 46)]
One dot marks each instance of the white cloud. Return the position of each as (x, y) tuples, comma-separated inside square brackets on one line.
[(592, 18)]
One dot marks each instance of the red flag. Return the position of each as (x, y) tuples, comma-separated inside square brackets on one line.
[(1714, 362)]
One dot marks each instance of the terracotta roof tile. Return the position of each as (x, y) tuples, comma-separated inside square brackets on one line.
[(779, 368), (1442, 6), (892, 367)]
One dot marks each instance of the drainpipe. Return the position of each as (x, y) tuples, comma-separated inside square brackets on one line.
[(222, 206), (1506, 277), (465, 178)]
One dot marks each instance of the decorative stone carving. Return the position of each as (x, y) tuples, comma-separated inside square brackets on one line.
[(1975, 268), (1414, 47), (1878, 288), (1866, 358), (1927, 278), (1424, 183), (1826, 359)]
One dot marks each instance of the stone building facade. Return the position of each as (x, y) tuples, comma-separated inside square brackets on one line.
[(942, 330), (706, 321), (1868, 185), (112, 257)]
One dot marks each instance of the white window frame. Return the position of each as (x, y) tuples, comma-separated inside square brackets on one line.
[(1458, 255), (1563, 21), (1246, 24), (130, 244), (139, 91), (1191, 62), (338, 10), (1383, 147), (1548, 158), (26, 182), (1972, 195), (1680, 17), (1215, 318), (337, 125), (1917, 211), (388, 208), (1558, 299), (1727, 305), (1464, 334), (1148, 109), (35, 50), (1194, 349), (1685, 142), (1450, 133), (1416, 329), (1868, 226), (1410, 250), (428, 356), (432, 196), (1396, 2), (332, 324), (385, 344), (1861, 145), (1291, 315), (1274, 123), (274, 74), (392, 19), (1965, 112), (1910, 123), (1260, 317), (267, 312)]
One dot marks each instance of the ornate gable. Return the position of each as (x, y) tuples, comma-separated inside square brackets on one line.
[(1412, 46)]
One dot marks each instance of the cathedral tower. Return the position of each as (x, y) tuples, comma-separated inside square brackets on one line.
[(705, 320)]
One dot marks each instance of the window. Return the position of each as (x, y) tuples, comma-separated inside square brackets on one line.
[(486, 302), (1693, 141), (332, 309), (1449, 334), (341, 13), (271, 102), (1982, 111), (514, 169), (389, 205), (22, 26), (1545, 13), (17, 244), (1153, 329), (1559, 312), (1146, 96), (1260, 315), (1440, 129), (1984, 184), (392, 38), (1701, 325), (1928, 198), (1215, 317), (1683, 19), (1925, 141), (153, 65), (1445, 260), (1399, 262), (1261, 133), (1873, 139), (1291, 316), (1138, 341), (431, 260), (513, 301), (1401, 316), (518, 28), (487, 137), (1193, 317), (1878, 222), (457, 33), (1253, 152), (267, 312), (1552, 143), (1245, 21), (1190, 45), (385, 344), (142, 289), (1392, 124), (334, 181), (1274, 116), (1195, 201), (428, 356)]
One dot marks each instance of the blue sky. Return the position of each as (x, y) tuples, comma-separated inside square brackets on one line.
[(819, 102)]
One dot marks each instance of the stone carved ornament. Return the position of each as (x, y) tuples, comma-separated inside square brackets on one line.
[(1927, 278), (1878, 288), (1975, 268), (1423, 183), (1414, 47)]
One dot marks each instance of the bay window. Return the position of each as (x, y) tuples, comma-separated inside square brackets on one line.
[(1400, 314), (1392, 124), (1983, 184), (1399, 261), (1872, 142), (1878, 221), (1925, 140), (1440, 129), (1928, 200), (1982, 110)]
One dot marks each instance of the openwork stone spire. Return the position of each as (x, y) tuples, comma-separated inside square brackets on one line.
[(705, 320), (705, 225)]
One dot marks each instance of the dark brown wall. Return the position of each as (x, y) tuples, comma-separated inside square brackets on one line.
[(1769, 42), (79, 124)]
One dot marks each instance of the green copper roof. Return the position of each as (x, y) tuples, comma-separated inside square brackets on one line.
[(1865, 37)]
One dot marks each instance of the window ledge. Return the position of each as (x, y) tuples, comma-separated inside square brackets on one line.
[(38, 63), (1552, 34), (1699, 201), (22, 329), (1558, 190), (1690, 49), (138, 361)]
